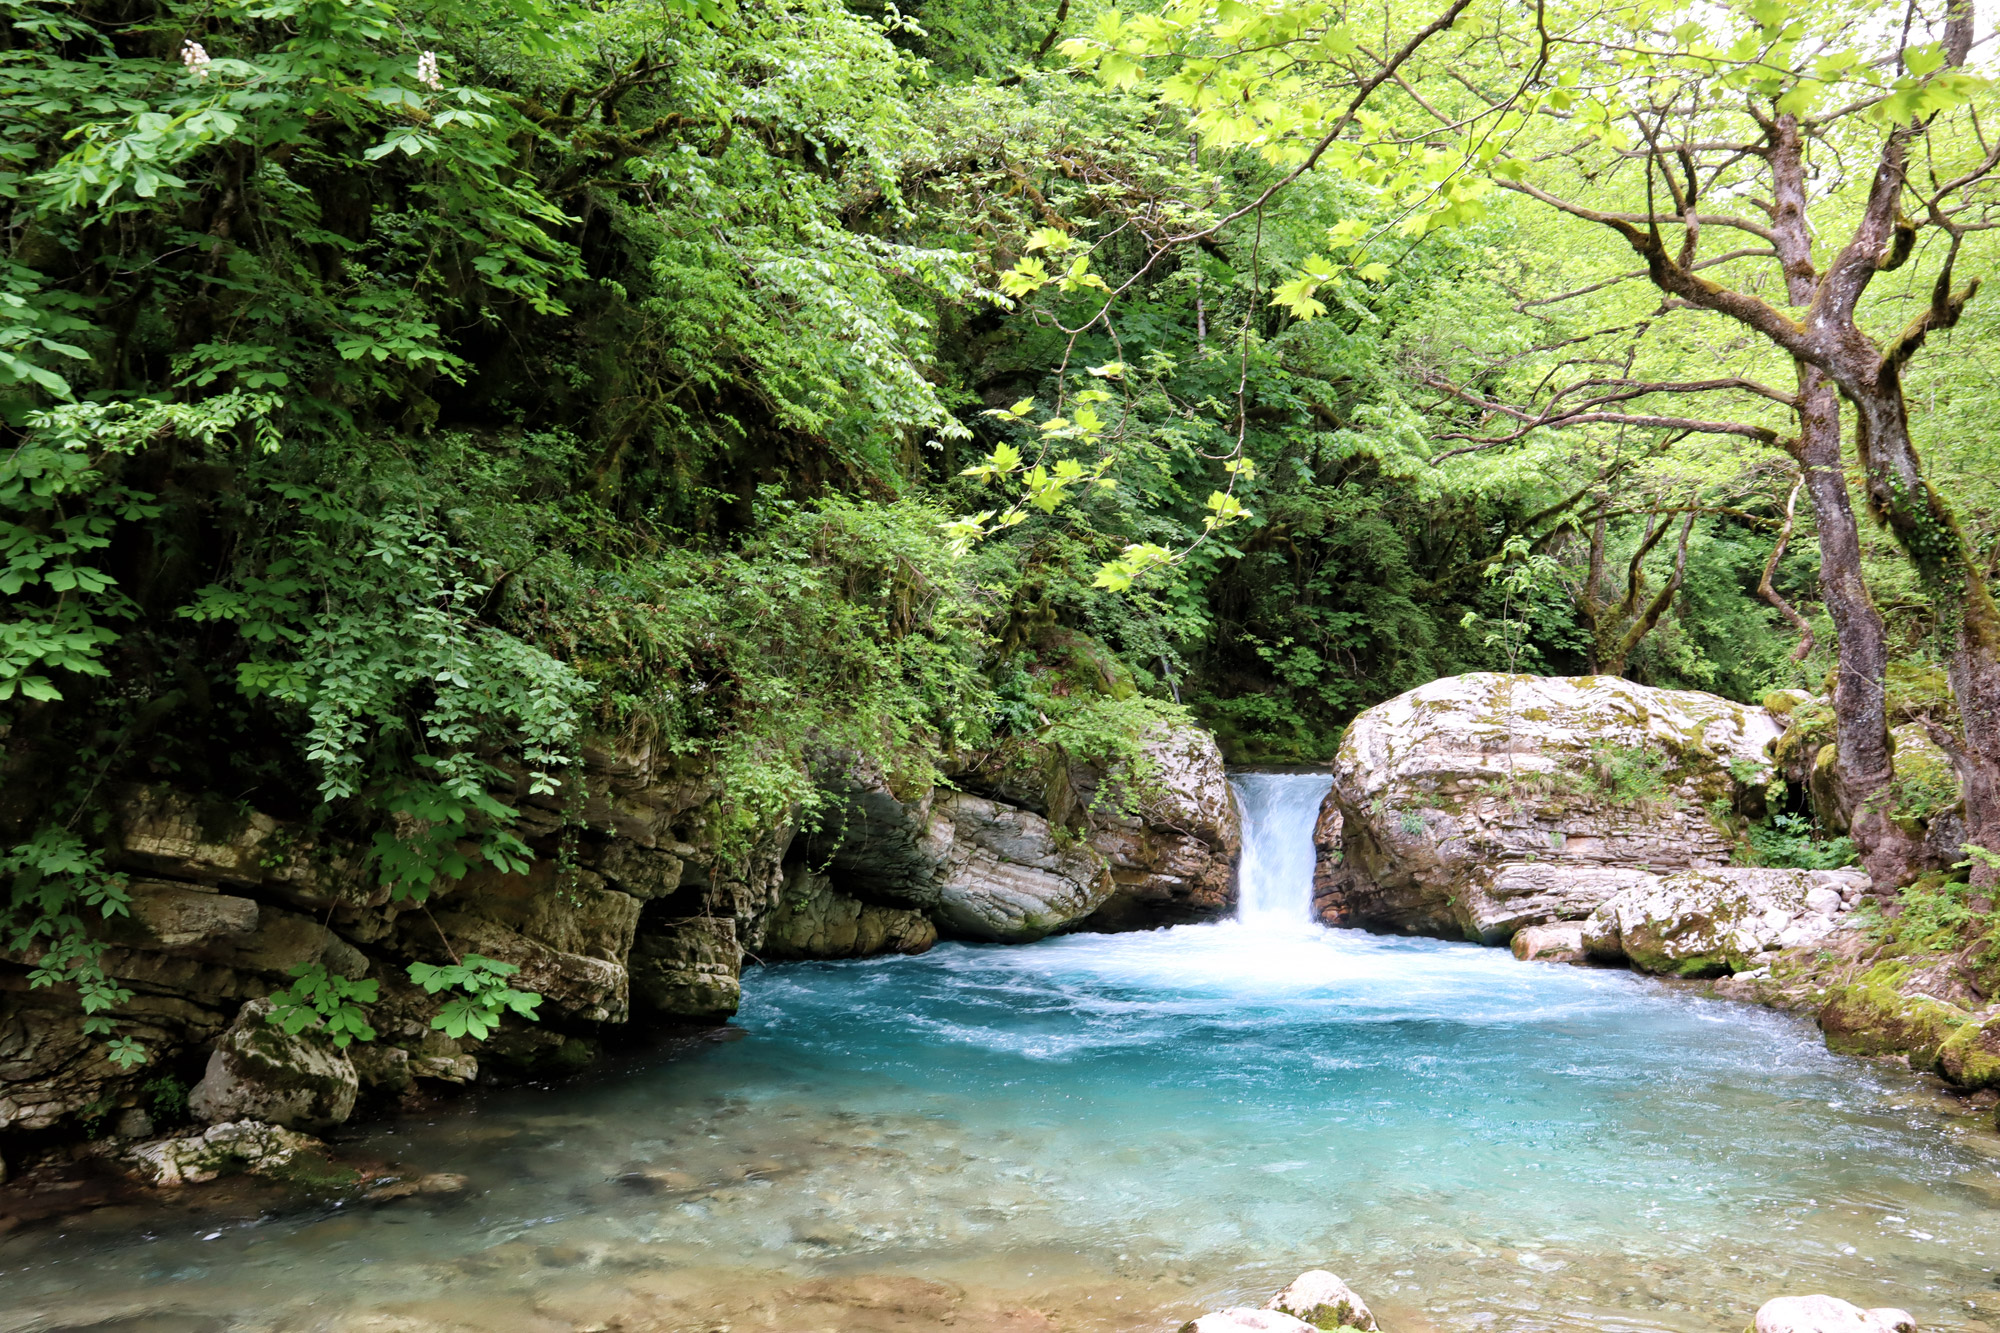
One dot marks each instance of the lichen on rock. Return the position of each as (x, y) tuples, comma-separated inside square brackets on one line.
[(249, 1147), (1486, 782), (1324, 1301), (1707, 922)]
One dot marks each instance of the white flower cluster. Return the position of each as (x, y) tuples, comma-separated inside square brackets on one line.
[(195, 57), (427, 71)]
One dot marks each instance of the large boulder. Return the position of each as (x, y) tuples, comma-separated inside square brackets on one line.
[(688, 968), (1003, 874), (1707, 922), (1173, 852), (1446, 791), (1889, 1010), (1330, 886), (1031, 846), (258, 1071), (981, 869)]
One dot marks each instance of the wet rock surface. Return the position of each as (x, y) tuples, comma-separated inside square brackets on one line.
[(1030, 847), (1828, 1314), (1323, 1301), (259, 1072)]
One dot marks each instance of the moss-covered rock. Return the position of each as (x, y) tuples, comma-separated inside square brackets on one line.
[(1970, 1057), (815, 920), (688, 968), (1701, 923), (236, 1147), (1872, 1015), (1324, 1301), (258, 1071), (1925, 785)]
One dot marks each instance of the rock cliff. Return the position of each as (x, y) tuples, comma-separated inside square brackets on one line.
[(631, 916)]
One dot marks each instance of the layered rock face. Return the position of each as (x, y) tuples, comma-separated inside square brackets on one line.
[(1026, 851), (1476, 805), (641, 921)]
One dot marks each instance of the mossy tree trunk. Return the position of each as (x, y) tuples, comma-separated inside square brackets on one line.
[(1863, 767)]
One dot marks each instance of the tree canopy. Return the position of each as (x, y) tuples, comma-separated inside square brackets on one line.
[(400, 398)]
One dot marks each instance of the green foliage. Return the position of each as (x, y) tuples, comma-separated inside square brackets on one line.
[(56, 886), (398, 402), (489, 995), (325, 1000), (1789, 841), (166, 1100), (1630, 776), (1519, 574), (1938, 912)]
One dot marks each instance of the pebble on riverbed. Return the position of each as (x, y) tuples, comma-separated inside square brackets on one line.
[(1324, 1301), (1318, 1300), (1829, 1314)]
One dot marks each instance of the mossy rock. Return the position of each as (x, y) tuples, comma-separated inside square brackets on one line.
[(1871, 1016), (1925, 785), (1970, 1057), (1915, 692)]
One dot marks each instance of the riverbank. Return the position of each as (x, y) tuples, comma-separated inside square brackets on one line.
[(1158, 1123)]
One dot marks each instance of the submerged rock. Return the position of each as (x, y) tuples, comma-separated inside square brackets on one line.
[(1324, 1301), (1467, 804), (1829, 1314), (1243, 1319), (258, 1071), (1708, 922)]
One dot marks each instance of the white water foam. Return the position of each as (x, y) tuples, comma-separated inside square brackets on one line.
[(1275, 874)]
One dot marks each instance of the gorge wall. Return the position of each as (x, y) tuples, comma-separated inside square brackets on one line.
[(633, 916)]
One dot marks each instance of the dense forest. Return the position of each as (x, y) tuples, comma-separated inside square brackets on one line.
[(401, 398)]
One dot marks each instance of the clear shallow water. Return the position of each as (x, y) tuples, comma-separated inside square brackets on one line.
[(1120, 1131)]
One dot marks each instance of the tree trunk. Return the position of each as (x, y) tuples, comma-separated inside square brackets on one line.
[(1768, 590), (1951, 571), (1643, 623), (1862, 764)]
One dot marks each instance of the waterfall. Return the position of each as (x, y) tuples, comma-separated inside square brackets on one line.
[(1275, 876)]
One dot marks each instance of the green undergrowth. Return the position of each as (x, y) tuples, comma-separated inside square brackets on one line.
[(1605, 773), (1792, 842)]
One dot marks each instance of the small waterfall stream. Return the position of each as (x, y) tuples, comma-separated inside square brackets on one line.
[(1101, 1133), (1275, 873)]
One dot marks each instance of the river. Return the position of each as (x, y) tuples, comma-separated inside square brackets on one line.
[(1119, 1131)]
